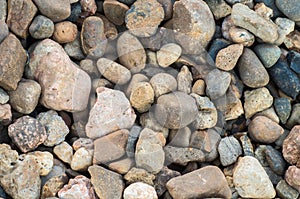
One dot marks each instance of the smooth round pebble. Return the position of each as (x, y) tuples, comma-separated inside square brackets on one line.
[(268, 54), (168, 54), (65, 32), (142, 96), (41, 27), (139, 190), (163, 83)]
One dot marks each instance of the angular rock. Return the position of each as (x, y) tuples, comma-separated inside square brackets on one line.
[(180, 137), (4, 97), (220, 9), (65, 32), (8, 159), (247, 146), (216, 45), (292, 177), (64, 152), (271, 4), (139, 175), (163, 83), (162, 178), (83, 142), (274, 178), (293, 59), (133, 136), (292, 40), (285, 191), (168, 54), (82, 159), (217, 83), (275, 160), (44, 160), (283, 109), (142, 96), (139, 190), (290, 148), (228, 57), (285, 27), (53, 185), (41, 27), (268, 54), (115, 11), (229, 149), (182, 156)]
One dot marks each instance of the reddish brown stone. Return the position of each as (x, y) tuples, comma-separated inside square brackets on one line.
[(88, 6), (292, 177), (291, 146)]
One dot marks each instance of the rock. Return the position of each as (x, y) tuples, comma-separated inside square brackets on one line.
[(271, 4), (227, 57), (27, 133), (136, 78), (73, 49), (83, 142), (107, 184), (251, 70), (55, 126), (269, 113), (180, 137), (111, 112), (88, 6), (139, 175), (264, 130), (217, 83), (260, 155), (8, 160), (5, 114), (219, 9), (131, 52), (4, 29), (122, 166), (283, 109), (246, 145), (246, 18), (4, 97), (56, 10), (182, 156), (257, 100), (111, 33), (216, 45), (41, 27), (148, 120), (292, 176), (149, 153), (290, 148), (26, 97), (58, 169), (184, 80), (229, 149), (250, 179), (168, 54), (64, 32), (285, 27), (162, 178), (292, 40), (285, 191), (208, 181), (75, 11), (163, 83), (293, 59), (275, 160), (142, 97), (44, 160), (115, 11), (133, 136), (263, 10), (12, 62), (241, 36), (268, 54), (196, 29), (79, 186), (19, 16), (175, 110), (64, 152), (3, 10), (285, 78), (82, 159), (274, 178), (199, 87), (139, 190), (294, 117), (153, 14), (92, 36), (110, 147), (53, 185), (289, 8)]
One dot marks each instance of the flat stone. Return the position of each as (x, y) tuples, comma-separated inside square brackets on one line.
[(229, 149), (3, 29), (139, 175), (115, 11), (217, 83), (65, 32), (285, 191), (289, 8), (228, 57), (275, 160), (290, 148), (122, 166), (27, 133), (64, 152), (250, 179), (41, 27), (283, 109), (182, 156), (139, 190), (208, 181), (268, 54), (82, 159), (168, 54), (142, 97), (111, 112), (293, 59), (292, 176), (53, 185)]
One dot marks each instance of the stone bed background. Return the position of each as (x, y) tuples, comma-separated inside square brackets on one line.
[(149, 99)]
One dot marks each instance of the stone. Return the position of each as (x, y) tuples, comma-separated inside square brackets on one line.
[(58, 169), (3, 10), (115, 11), (184, 80), (286, 80), (285, 27), (53, 185), (4, 97), (133, 136), (275, 160), (241, 36), (136, 78), (162, 178), (219, 9), (269, 113), (92, 36), (246, 18), (63, 88), (148, 120), (168, 54), (56, 10), (139, 190), (294, 117), (26, 97), (292, 40), (246, 145), (19, 16), (283, 109), (82, 159), (229, 149), (199, 87), (153, 15), (182, 156), (88, 6), (268, 54), (163, 83), (5, 114), (111, 112), (292, 177), (131, 52), (139, 175), (196, 29), (228, 57), (111, 33), (271, 4), (83, 142), (8, 160), (216, 45), (293, 59), (75, 11), (55, 126), (257, 100), (289, 8), (208, 181), (180, 137), (251, 70), (263, 10), (64, 152), (168, 8), (41, 27), (107, 184), (4, 29), (261, 156), (110, 147), (217, 83), (250, 179), (285, 191), (64, 32), (290, 148), (142, 97), (175, 110), (149, 153), (12, 62), (274, 178), (44, 160), (79, 186), (73, 49), (122, 166), (27, 133)]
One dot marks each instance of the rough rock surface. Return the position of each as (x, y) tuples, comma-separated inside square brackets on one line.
[(139, 190), (290, 148)]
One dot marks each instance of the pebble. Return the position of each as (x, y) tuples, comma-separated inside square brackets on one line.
[(63, 88), (122, 166), (82, 159), (56, 10), (229, 149), (216, 45), (204, 182), (3, 10), (168, 8), (41, 27), (275, 160), (83, 142), (261, 156), (88, 6), (75, 12), (263, 10), (149, 153), (246, 18), (8, 160), (139, 190), (228, 57), (27, 133), (274, 178), (142, 97), (146, 26), (163, 83), (269, 113), (219, 9), (53, 185), (283, 109), (182, 156), (64, 152), (271, 4), (65, 32), (162, 178), (290, 148), (199, 87), (292, 40), (257, 100), (168, 54), (251, 70), (110, 147), (55, 126), (115, 11), (180, 137), (217, 83), (264, 130), (285, 191), (107, 184), (133, 136), (73, 49), (148, 120), (268, 54), (294, 117), (289, 8), (285, 27), (44, 160), (4, 29), (111, 33), (139, 175), (184, 80), (293, 59), (241, 36), (90, 68), (79, 186), (251, 180), (58, 169), (5, 114), (93, 38), (175, 110), (111, 112), (113, 71), (131, 52), (12, 70), (136, 78), (292, 177), (246, 145), (4, 97)]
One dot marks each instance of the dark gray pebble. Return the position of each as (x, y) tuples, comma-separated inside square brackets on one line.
[(283, 108), (293, 59), (275, 160)]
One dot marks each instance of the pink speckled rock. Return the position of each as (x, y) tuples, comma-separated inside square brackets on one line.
[(291, 146), (292, 177)]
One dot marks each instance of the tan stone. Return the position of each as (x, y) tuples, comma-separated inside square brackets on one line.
[(65, 32), (227, 57), (168, 54), (142, 96)]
